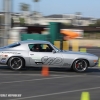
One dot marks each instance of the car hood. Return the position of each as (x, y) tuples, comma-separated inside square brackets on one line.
[(73, 52)]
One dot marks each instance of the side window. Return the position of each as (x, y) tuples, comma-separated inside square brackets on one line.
[(40, 48), (47, 48)]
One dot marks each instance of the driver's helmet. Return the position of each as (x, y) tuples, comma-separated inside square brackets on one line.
[(37, 46)]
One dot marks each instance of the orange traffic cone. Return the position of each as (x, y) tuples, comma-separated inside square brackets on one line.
[(45, 71)]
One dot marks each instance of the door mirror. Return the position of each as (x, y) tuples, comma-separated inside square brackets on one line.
[(53, 51)]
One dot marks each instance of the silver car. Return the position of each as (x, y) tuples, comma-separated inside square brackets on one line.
[(38, 53)]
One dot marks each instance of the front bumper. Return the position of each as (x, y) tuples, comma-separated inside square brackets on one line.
[(95, 64)]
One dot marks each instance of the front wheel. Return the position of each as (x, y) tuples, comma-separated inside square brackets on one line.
[(80, 65), (16, 63)]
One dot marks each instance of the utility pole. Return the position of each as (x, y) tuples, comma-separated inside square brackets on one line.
[(7, 9)]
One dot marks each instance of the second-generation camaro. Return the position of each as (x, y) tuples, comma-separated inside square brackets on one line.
[(38, 53)]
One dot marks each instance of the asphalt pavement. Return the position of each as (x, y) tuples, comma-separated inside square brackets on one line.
[(61, 84)]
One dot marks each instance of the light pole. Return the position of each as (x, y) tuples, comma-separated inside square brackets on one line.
[(7, 9)]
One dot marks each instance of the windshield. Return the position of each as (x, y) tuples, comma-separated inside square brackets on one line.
[(57, 48)]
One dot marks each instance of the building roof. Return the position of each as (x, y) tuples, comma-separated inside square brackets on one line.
[(54, 16)]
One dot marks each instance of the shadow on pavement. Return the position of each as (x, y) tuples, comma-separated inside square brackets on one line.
[(38, 69)]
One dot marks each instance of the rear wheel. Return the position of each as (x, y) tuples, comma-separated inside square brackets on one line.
[(16, 63), (80, 65)]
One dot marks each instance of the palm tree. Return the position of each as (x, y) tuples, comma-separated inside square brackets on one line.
[(35, 4), (36, 0), (36, 10), (24, 7)]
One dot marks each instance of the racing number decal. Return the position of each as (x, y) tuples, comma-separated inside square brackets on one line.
[(52, 60)]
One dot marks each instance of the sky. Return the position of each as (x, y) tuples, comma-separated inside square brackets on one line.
[(88, 8)]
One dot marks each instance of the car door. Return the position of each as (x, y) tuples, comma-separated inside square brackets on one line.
[(52, 59)]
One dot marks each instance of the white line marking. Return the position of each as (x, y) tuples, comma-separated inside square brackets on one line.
[(39, 79), (94, 76), (51, 94)]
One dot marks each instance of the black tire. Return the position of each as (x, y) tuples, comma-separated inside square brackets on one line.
[(71, 69), (16, 63), (80, 65)]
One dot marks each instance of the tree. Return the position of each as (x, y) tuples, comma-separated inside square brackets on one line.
[(35, 6), (24, 7), (96, 24), (2, 19), (67, 24), (22, 21)]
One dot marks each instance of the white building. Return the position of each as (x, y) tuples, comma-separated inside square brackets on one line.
[(36, 17)]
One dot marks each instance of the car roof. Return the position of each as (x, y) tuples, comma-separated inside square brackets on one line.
[(33, 41)]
